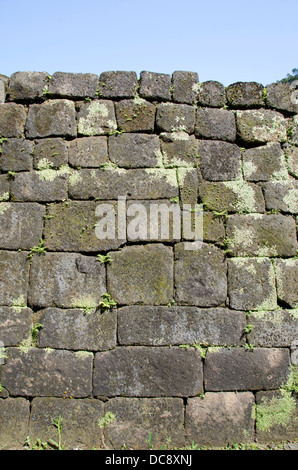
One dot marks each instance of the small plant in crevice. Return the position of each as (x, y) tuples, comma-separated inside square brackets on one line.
[(104, 259), (107, 302), (37, 249), (59, 426)]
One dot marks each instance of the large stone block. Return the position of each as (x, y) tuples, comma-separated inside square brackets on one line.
[(281, 196), (134, 150), (15, 325), (52, 118), (14, 270), (17, 155), (12, 120), (148, 372), (218, 124), (286, 277), (291, 154), (141, 274), (73, 85), (136, 115), (2, 92), (220, 419), (219, 161), (178, 149), (264, 163), (185, 87), (164, 326), (241, 369), (66, 280), (76, 329), (261, 126), (50, 153), (171, 117), (155, 85), (14, 422), (245, 95), (27, 86), (47, 185), (251, 284), (45, 372), (96, 118), (118, 84), (282, 96), (200, 276), (273, 329), (137, 417), (211, 94), (88, 152), (21, 225)]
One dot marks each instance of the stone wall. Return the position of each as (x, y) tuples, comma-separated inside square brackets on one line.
[(127, 336)]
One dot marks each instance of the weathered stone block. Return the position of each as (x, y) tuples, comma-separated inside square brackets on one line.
[(73, 85), (118, 84), (286, 277), (292, 130), (136, 115), (27, 86), (251, 284), (261, 126), (15, 325), (219, 161), (218, 124), (96, 118), (52, 118), (163, 417), (211, 94), (264, 163), (213, 227), (74, 374), (176, 325), (17, 155), (240, 369), (281, 96), (14, 422), (185, 87), (50, 153), (134, 150), (282, 196), (79, 419), (245, 95), (141, 274), (188, 185), (232, 196), (88, 152), (2, 92), (20, 225), (12, 120), (220, 419), (155, 85), (291, 155), (77, 330), (261, 235), (171, 117), (4, 190), (178, 149), (66, 280), (148, 372), (40, 186), (14, 270), (273, 329), (200, 276)]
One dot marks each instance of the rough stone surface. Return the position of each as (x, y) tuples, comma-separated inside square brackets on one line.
[(2, 92), (88, 152), (141, 274), (4, 190), (14, 270), (273, 329), (96, 118), (286, 277), (220, 419), (14, 422), (172, 117), (239, 369), (200, 276), (66, 280), (136, 115), (117, 84), (217, 124), (212, 94), (185, 87), (73, 85), (50, 153), (134, 150), (281, 196), (12, 120), (245, 95), (155, 85), (219, 161), (264, 163), (176, 372), (261, 126), (52, 118), (178, 149), (27, 86), (17, 155), (281, 96), (291, 155), (15, 325), (47, 185)]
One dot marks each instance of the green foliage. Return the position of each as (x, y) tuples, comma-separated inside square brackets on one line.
[(58, 445), (105, 259), (107, 302), (2, 139), (37, 249), (291, 77), (106, 420)]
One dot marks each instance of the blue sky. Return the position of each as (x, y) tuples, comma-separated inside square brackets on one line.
[(227, 41)]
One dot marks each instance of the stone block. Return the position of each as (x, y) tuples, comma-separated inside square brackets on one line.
[(188, 185), (281, 196), (21, 225), (55, 372), (261, 126), (14, 422), (79, 419), (281, 96), (47, 185), (185, 87), (17, 155), (217, 124), (177, 325), (292, 130), (245, 95), (211, 94), (291, 155), (141, 274), (88, 152), (73, 85), (77, 330), (12, 120), (273, 329), (130, 150), (155, 86), (241, 369), (200, 276), (261, 235), (15, 325), (2, 92), (172, 117), (66, 280), (213, 227), (178, 149), (14, 270), (136, 115), (137, 417), (4, 190), (220, 419), (264, 163), (118, 84), (251, 284), (286, 277), (96, 118), (148, 372), (50, 153), (219, 161), (27, 86), (52, 118)]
